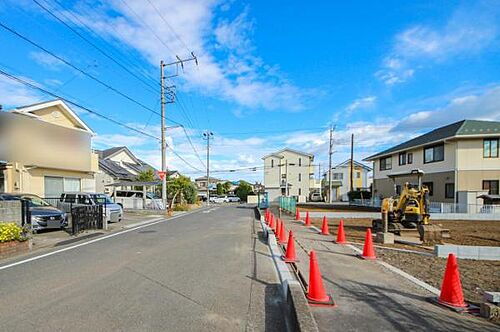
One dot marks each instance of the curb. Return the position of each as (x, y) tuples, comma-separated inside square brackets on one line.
[(298, 314)]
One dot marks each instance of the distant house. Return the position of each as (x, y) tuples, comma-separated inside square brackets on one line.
[(201, 183), (119, 164), (341, 177), (45, 150), (288, 172), (460, 161)]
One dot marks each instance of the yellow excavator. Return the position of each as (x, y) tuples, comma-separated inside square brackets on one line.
[(409, 211)]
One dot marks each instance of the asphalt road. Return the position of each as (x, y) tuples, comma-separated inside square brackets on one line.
[(203, 271)]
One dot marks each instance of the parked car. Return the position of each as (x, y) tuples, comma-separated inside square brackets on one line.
[(221, 199), (233, 199), (316, 197), (43, 215), (113, 212)]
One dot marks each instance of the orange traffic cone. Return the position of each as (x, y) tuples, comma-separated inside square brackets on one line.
[(451, 289), (340, 233), (271, 222), (282, 236), (308, 220), (266, 216), (368, 250), (297, 214), (324, 227), (278, 228), (316, 291), (290, 250)]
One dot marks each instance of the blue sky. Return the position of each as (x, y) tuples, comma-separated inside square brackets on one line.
[(270, 75)]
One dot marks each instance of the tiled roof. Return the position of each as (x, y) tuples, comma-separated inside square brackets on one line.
[(460, 128)]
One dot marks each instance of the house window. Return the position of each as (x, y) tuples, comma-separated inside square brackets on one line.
[(490, 148), (409, 158), (434, 153), (449, 190), (402, 158), (430, 186), (358, 175), (300, 178), (491, 186), (338, 176), (300, 161), (300, 191), (272, 163), (386, 163)]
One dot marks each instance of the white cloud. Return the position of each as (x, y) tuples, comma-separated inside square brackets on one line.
[(111, 140), (46, 60), (227, 68), (361, 103), (480, 106), (13, 94), (467, 32)]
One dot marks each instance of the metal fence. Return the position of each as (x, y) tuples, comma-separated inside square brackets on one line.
[(288, 204), (87, 217), (438, 207)]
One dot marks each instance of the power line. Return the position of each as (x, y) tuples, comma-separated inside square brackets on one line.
[(184, 160), (169, 26), (19, 80), (272, 131), (79, 70), (192, 146), (94, 45), (148, 26)]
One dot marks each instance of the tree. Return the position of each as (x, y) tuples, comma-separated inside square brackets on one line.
[(243, 190), (145, 176), (220, 189), (182, 188), (226, 186)]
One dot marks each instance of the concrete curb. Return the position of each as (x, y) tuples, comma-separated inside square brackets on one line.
[(143, 222), (403, 274), (299, 315)]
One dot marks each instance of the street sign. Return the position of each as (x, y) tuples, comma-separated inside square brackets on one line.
[(161, 174)]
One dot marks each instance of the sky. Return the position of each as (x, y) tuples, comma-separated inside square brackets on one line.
[(270, 74)]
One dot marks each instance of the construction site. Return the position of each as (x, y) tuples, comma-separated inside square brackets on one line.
[(343, 265)]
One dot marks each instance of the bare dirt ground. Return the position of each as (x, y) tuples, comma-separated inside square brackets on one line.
[(478, 233), (477, 276)]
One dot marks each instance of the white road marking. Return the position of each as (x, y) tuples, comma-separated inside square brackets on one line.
[(90, 242)]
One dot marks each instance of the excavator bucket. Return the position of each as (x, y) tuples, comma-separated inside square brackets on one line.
[(433, 234)]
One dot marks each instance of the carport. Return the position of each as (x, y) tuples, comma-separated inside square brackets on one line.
[(130, 185)]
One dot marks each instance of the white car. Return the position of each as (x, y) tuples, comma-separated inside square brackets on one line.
[(220, 199), (233, 199)]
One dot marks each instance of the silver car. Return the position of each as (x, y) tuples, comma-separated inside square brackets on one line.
[(113, 213)]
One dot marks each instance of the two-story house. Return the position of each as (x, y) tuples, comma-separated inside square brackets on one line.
[(119, 164), (45, 149), (341, 177), (459, 161), (288, 173)]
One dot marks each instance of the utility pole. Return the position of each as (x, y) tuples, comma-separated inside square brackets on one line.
[(163, 138), (171, 97), (330, 152), (352, 162), (207, 134)]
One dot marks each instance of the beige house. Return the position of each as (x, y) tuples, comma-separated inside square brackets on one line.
[(289, 173), (460, 161), (45, 149), (341, 177)]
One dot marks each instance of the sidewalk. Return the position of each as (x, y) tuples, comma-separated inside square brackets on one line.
[(368, 296)]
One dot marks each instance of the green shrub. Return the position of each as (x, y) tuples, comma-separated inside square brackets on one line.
[(10, 231)]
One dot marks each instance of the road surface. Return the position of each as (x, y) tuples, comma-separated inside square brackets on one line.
[(204, 271)]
